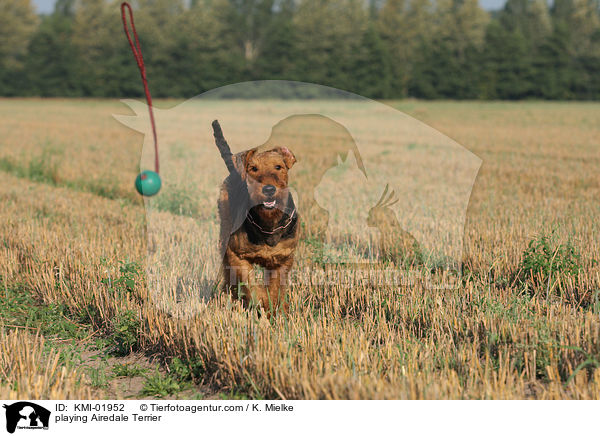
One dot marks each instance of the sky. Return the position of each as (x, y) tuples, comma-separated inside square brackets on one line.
[(46, 6)]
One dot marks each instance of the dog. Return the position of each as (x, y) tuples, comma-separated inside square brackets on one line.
[(259, 226)]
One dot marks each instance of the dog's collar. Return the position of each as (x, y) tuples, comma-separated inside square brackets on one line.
[(276, 229)]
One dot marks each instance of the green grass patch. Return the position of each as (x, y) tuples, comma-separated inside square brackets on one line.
[(186, 370), (159, 385), (19, 309), (124, 333), (42, 168), (129, 276), (546, 264), (127, 370), (178, 201), (99, 376)]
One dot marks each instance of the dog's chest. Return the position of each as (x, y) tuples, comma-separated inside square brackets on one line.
[(263, 254)]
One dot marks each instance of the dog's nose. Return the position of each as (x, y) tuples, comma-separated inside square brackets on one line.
[(269, 190)]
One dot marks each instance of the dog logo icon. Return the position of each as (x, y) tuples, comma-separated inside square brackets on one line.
[(26, 415)]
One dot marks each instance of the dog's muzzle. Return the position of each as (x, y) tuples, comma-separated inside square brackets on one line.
[(269, 191)]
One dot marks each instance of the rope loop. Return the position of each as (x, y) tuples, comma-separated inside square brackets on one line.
[(136, 49)]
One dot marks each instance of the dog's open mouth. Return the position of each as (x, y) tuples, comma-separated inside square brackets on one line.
[(269, 204)]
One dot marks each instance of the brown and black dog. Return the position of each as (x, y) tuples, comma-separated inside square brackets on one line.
[(259, 226)]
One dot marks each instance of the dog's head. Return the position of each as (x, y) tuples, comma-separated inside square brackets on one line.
[(266, 175)]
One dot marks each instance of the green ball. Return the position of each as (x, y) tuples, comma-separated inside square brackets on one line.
[(148, 183)]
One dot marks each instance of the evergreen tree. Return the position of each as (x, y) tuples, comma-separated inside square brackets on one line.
[(210, 54), (555, 66), (405, 27), (328, 33), (49, 66), (506, 64), (573, 49), (278, 54), (450, 63), (17, 26), (372, 71), (104, 64)]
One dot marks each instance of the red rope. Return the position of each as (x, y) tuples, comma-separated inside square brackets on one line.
[(137, 53)]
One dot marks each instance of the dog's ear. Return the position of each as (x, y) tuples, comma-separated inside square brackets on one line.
[(288, 156), (240, 160)]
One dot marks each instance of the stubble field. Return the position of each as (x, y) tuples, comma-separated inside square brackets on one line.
[(523, 321)]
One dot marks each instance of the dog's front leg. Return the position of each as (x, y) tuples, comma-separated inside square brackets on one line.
[(242, 282), (277, 284)]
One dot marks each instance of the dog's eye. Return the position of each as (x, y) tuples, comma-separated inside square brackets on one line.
[(277, 167), (253, 169)]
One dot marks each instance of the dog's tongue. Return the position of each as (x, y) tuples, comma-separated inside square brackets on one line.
[(269, 204)]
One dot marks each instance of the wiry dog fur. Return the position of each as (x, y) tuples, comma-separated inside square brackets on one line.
[(259, 226)]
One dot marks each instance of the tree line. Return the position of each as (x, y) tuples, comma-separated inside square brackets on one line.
[(377, 48)]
